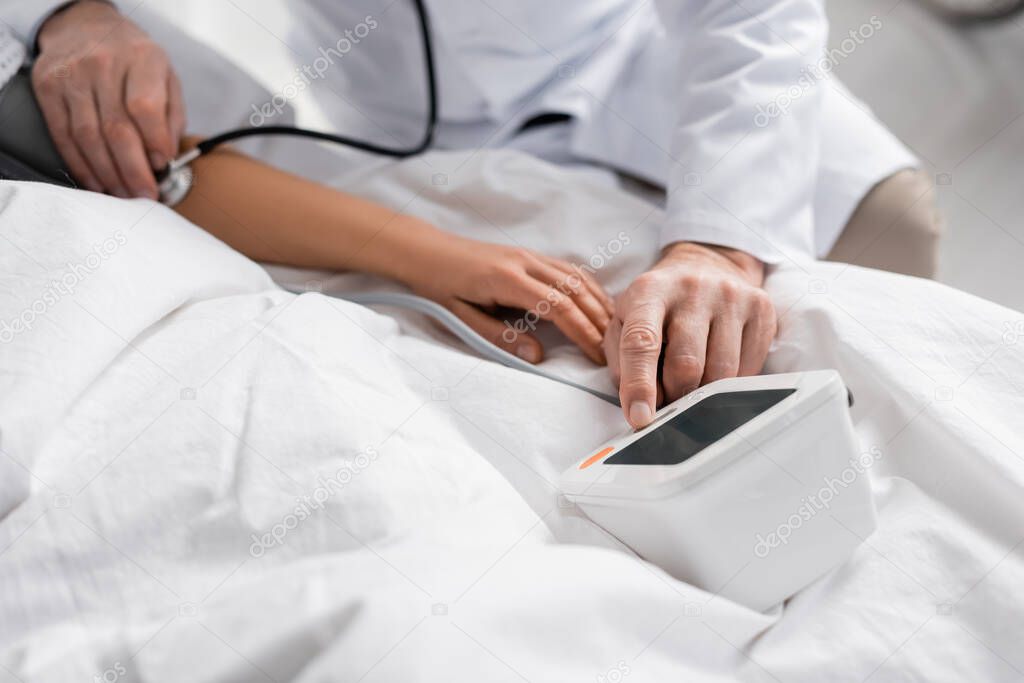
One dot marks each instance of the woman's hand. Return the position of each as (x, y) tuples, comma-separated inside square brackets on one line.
[(475, 280), (276, 217)]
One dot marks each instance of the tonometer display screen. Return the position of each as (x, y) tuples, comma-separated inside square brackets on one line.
[(697, 427)]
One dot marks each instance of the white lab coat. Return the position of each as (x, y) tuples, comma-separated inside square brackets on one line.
[(717, 101), (669, 93)]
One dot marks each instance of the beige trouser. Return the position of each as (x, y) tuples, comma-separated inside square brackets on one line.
[(896, 227)]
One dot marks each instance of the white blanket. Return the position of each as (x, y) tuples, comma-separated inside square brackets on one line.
[(208, 479)]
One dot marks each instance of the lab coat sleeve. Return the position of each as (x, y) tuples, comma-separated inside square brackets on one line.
[(745, 143), (25, 17)]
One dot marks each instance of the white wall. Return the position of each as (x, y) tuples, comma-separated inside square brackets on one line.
[(956, 96)]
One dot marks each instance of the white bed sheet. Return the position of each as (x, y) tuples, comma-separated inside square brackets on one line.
[(178, 403)]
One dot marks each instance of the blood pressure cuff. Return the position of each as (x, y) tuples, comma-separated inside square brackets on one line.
[(27, 151)]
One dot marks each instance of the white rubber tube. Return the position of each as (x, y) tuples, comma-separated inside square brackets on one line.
[(465, 333)]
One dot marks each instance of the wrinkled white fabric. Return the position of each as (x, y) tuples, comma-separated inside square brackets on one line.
[(157, 422)]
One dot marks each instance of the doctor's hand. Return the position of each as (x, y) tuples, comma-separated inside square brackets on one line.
[(697, 316), (110, 97), (479, 282)]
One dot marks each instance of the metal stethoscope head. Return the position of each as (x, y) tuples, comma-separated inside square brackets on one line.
[(176, 180)]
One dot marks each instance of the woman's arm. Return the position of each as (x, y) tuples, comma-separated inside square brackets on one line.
[(276, 217)]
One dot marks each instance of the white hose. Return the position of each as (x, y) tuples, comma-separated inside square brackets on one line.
[(465, 333)]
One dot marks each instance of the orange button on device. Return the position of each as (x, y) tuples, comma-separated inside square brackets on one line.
[(595, 457)]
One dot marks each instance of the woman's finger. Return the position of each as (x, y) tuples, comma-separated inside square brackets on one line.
[(548, 303), (497, 332), (574, 287), (586, 276), (588, 279)]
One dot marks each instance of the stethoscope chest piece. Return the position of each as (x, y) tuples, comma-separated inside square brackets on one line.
[(176, 181)]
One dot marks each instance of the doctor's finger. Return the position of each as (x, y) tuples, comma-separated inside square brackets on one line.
[(85, 130), (497, 332), (176, 111), (611, 348), (147, 102), (685, 351), (68, 150), (576, 290), (58, 120), (724, 344), (758, 333), (125, 143), (639, 351), (50, 83)]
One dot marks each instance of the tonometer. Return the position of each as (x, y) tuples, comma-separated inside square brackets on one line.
[(750, 488)]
